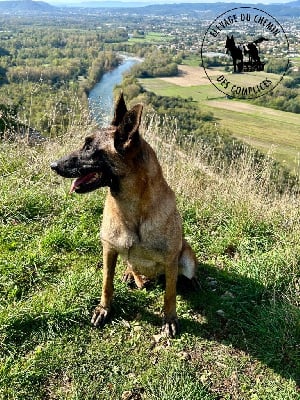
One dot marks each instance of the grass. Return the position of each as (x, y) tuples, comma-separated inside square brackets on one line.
[(244, 79), (151, 37), (268, 130), (239, 334), (164, 88), (192, 60), (271, 131)]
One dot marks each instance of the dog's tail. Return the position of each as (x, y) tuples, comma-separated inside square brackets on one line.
[(187, 261), (260, 39)]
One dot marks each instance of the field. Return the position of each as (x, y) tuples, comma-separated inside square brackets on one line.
[(151, 37), (239, 333), (271, 131)]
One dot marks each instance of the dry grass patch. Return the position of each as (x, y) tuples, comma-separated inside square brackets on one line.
[(190, 76)]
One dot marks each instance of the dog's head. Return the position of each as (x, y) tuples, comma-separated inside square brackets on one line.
[(101, 160)]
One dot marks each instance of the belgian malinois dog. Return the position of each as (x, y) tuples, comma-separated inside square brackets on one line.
[(140, 220)]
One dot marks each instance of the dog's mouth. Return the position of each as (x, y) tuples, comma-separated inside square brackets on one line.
[(87, 183)]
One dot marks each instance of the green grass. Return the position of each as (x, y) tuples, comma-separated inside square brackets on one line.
[(192, 60), (271, 131), (239, 333), (164, 88), (151, 37)]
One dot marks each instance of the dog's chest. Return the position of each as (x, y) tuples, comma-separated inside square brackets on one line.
[(144, 249)]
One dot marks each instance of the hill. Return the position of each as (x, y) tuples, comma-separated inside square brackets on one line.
[(262, 127), (210, 10), (239, 333), (25, 6), (200, 10)]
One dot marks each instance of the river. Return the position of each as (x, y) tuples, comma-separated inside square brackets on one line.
[(101, 96)]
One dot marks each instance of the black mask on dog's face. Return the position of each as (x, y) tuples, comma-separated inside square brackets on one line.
[(99, 162)]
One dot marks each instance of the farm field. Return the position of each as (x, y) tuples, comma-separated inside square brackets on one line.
[(266, 129), (151, 37)]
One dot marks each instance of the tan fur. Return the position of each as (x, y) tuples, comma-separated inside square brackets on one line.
[(141, 222)]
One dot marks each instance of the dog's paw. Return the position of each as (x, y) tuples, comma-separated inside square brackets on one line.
[(128, 278), (170, 328), (99, 316), (140, 281)]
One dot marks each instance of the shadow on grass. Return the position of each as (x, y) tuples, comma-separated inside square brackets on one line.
[(229, 309), (240, 312), (23, 332)]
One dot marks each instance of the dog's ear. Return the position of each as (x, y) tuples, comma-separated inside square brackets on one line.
[(120, 110), (128, 131)]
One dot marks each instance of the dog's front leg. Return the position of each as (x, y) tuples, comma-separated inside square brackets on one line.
[(170, 324), (109, 263)]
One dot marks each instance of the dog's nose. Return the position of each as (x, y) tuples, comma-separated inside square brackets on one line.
[(54, 165)]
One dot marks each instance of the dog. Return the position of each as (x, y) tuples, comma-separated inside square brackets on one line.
[(141, 222)]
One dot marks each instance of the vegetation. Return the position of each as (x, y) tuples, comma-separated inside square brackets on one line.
[(239, 333), (210, 62), (286, 97), (45, 68), (157, 63), (261, 127), (8, 120), (276, 66), (194, 125)]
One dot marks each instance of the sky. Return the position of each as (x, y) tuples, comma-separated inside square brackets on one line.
[(140, 2), (172, 1)]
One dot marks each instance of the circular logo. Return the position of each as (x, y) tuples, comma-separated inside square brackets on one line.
[(245, 53)]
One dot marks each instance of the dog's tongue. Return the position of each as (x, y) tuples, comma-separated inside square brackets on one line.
[(79, 181)]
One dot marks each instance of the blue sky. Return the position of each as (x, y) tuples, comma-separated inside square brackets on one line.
[(168, 1), (172, 1)]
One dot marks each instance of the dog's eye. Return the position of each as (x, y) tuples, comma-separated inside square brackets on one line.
[(88, 143)]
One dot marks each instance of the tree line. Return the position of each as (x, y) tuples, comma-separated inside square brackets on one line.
[(285, 97), (44, 69)]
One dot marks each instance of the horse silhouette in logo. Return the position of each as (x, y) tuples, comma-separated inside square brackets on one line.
[(250, 49)]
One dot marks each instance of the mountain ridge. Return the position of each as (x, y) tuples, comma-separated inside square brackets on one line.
[(210, 10)]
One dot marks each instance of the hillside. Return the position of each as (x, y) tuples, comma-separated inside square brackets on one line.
[(262, 127), (200, 10), (239, 333), (25, 6), (211, 10)]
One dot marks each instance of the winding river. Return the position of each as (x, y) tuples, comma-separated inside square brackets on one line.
[(101, 96)]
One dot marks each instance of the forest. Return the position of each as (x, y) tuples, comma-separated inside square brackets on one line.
[(46, 71)]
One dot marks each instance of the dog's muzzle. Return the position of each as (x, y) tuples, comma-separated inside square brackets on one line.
[(54, 166)]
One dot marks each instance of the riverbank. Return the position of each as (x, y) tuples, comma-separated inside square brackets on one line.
[(100, 99), (101, 65)]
